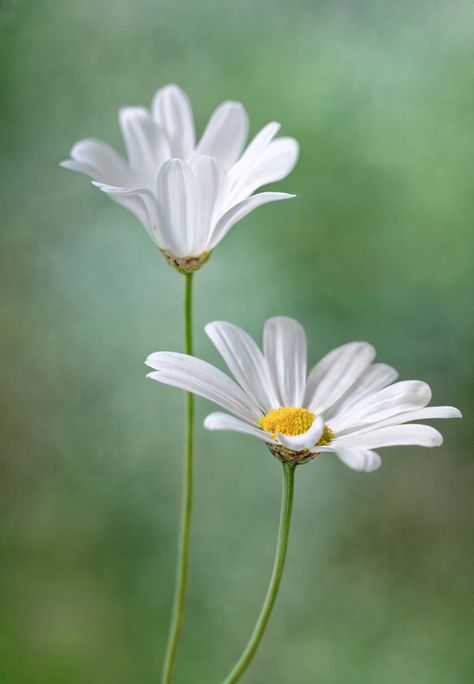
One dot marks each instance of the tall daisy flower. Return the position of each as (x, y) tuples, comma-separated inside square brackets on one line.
[(187, 194), (346, 404)]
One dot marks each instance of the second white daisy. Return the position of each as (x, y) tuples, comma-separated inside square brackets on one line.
[(347, 404), (187, 195)]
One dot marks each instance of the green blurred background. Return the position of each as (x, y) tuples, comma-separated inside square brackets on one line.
[(376, 246)]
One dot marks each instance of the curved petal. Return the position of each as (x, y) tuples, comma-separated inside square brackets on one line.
[(245, 361), (391, 401), (335, 373), (222, 421), (273, 164), (211, 188), (172, 112), (284, 346), (141, 203), (394, 435), (146, 146), (176, 194), (306, 440), (427, 413), (240, 210), (253, 151), (197, 376), (375, 377), (99, 161), (363, 460), (226, 133)]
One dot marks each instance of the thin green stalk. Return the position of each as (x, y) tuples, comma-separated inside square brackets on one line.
[(186, 506), (283, 533)]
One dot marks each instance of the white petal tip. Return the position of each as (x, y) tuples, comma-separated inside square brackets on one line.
[(371, 470), (151, 360), (209, 327), (209, 423), (103, 187), (233, 103)]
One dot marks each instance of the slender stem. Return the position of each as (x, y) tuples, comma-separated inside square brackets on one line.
[(283, 533), (186, 505)]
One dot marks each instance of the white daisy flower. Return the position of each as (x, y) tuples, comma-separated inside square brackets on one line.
[(187, 195), (346, 404)]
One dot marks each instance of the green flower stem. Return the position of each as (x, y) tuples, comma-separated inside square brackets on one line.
[(186, 506), (283, 533)]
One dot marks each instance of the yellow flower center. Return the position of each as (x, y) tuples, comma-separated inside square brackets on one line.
[(293, 421), (287, 421)]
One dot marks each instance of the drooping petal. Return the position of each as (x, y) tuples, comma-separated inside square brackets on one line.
[(172, 112), (211, 188), (245, 361), (226, 133), (408, 395), (335, 373), (394, 435), (284, 345), (222, 421), (197, 376), (141, 203), (273, 164), (99, 161), (363, 460), (306, 440), (146, 145), (240, 210), (176, 195)]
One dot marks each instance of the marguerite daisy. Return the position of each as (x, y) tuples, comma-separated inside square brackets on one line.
[(347, 404), (187, 195)]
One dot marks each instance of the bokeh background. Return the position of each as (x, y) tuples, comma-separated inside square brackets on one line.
[(377, 246)]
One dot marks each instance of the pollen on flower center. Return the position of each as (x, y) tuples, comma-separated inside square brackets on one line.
[(287, 421)]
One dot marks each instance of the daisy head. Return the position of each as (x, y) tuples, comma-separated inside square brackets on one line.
[(187, 193), (346, 404)]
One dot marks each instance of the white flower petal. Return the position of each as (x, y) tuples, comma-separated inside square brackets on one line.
[(172, 112), (176, 192), (245, 361), (273, 164), (141, 202), (255, 149), (306, 440), (99, 161), (375, 377), (335, 373), (222, 421), (226, 133), (395, 435), (421, 414), (211, 188), (243, 167), (393, 400), (363, 460), (240, 210), (284, 345), (146, 145), (197, 376)]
